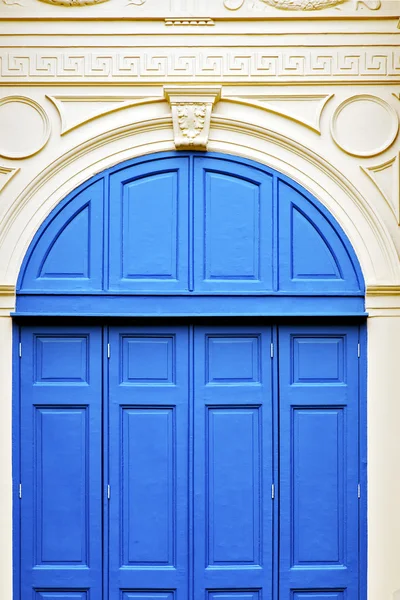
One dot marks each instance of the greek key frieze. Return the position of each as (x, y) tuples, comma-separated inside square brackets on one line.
[(234, 64)]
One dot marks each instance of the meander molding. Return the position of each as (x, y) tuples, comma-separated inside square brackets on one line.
[(176, 65), (191, 114)]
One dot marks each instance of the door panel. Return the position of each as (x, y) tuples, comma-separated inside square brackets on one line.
[(233, 234), (319, 410), (233, 469), (148, 462), (61, 466), (149, 227)]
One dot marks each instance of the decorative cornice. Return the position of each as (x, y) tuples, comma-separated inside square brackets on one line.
[(191, 114), (7, 300), (7, 290), (383, 290)]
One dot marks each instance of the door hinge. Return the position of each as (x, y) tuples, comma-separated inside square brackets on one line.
[(20, 491), (359, 491), (272, 350), (273, 491), (108, 492), (358, 350), (20, 350), (108, 351)]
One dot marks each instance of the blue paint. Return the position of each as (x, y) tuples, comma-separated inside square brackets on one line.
[(148, 460), (183, 225), (61, 466), (190, 424), (319, 458), (160, 305), (232, 460), (148, 231), (66, 253), (191, 421)]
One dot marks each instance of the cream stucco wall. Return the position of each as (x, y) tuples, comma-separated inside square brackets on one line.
[(314, 94)]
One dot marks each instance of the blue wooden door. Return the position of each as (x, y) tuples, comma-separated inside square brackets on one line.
[(319, 458), (148, 463), (232, 463), (61, 463), (148, 475)]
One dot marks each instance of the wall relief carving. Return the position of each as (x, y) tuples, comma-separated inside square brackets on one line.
[(299, 4), (73, 2), (191, 119), (191, 114)]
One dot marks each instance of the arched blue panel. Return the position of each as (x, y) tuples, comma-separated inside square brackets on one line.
[(313, 254), (66, 254), (149, 206), (233, 233), (171, 233)]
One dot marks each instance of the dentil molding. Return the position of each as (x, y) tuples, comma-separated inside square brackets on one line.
[(191, 114)]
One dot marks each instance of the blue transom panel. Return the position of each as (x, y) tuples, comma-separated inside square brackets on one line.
[(190, 234)]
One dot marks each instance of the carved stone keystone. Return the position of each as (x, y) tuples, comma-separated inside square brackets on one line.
[(191, 114)]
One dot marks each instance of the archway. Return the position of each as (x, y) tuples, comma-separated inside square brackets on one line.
[(160, 436)]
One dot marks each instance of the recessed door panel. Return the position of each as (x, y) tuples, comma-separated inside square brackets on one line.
[(148, 227), (233, 468), (233, 208), (148, 461), (61, 463), (318, 382)]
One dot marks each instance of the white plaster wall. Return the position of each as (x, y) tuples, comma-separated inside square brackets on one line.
[(314, 95)]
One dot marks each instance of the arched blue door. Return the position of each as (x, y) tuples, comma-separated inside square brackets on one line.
[(183, 458)]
